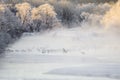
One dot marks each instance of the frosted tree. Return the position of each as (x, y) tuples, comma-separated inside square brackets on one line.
[(5, 39), (24, 14), (44, 17), (66, 11), (9, 23), (8, 20)]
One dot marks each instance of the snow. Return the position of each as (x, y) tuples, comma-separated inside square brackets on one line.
[(63, 54)]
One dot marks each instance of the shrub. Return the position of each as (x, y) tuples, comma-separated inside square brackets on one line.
[(24, 14), (5, 39), (44, 17), (8, 21), (65, 12)]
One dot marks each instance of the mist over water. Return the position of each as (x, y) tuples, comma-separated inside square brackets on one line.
[(87, 50), (104, 15), (112, 17), (96, 20), (98, 26)]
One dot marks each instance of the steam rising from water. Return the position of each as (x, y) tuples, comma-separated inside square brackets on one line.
[(80, 46), (105, 15), (112, 17)]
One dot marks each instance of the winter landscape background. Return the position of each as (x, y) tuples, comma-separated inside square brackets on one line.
[(59, 40)]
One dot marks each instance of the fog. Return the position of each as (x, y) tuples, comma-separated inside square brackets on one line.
[(60, 41)]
